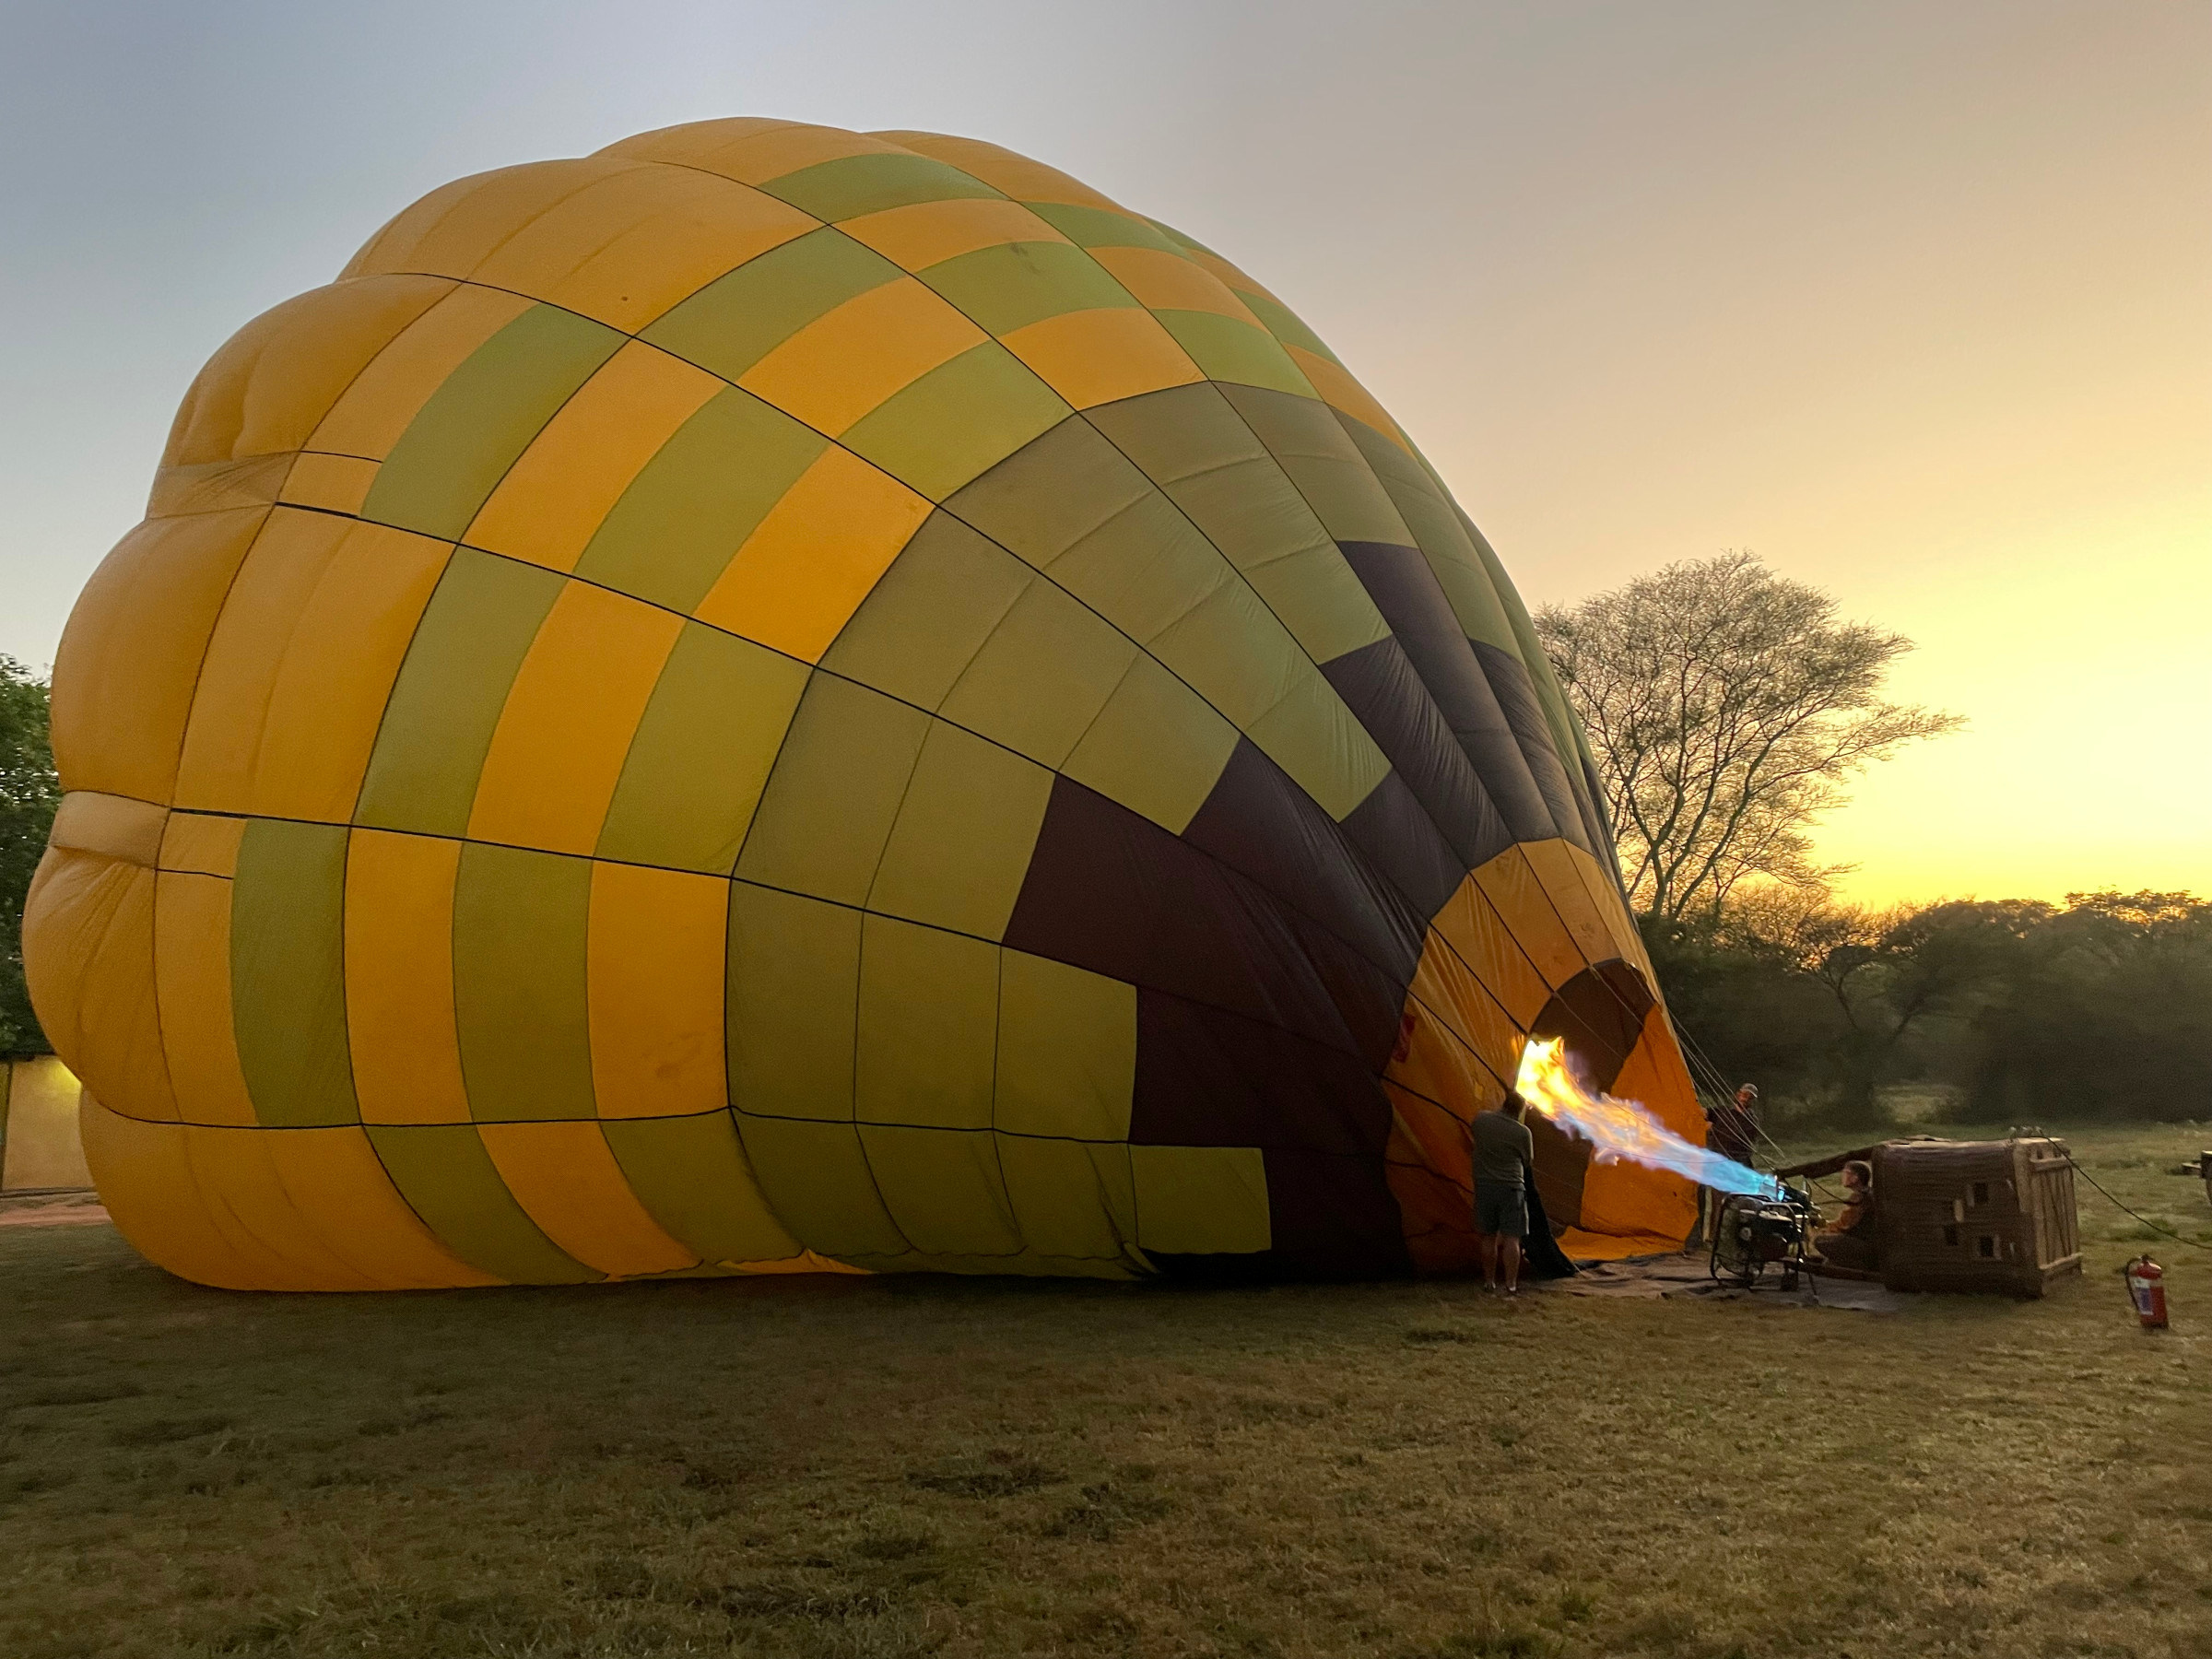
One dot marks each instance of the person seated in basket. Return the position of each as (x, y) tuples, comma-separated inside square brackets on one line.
[(1850, 1243)]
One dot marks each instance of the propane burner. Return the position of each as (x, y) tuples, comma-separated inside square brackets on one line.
[(1752, 1233)]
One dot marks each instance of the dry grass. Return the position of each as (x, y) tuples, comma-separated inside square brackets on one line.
[(900, 1467)]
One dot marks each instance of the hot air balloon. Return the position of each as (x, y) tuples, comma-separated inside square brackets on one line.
[(772, 698)]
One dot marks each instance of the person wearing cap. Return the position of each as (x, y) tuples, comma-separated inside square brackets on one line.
[(1732, 1130)]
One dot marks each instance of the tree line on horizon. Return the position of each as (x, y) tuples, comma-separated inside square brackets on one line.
[(1727, 709), (28, 793)]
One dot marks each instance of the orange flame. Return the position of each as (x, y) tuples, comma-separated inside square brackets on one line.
[(1618, 1129)]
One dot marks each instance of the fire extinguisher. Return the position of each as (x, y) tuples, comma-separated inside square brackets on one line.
[(2146, 1289)]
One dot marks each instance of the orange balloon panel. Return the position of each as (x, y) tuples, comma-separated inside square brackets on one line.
[(777, 700)]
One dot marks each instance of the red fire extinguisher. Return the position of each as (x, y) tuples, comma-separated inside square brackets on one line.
[(2146, 1289)]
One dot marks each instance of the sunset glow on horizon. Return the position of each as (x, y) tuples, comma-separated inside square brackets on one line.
[(1914, 302)]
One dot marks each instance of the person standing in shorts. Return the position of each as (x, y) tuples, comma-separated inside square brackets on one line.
[(1505, 1157)]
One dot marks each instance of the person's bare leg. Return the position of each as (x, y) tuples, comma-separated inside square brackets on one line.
[(1486, 1249), (1513, 1265)]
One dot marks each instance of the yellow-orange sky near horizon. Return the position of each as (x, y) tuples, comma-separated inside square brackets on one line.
[(1914, 301), (1941, 344)]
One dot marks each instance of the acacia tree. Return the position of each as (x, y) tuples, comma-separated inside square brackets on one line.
[(1892, 973), (28, 793), (1728, 708)]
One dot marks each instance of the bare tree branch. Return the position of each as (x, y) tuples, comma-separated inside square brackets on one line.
[(1728, 708)]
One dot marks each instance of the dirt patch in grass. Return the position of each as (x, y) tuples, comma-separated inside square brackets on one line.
[(857, 1469)]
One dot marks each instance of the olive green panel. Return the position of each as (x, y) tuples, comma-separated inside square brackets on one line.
[(1187, 432), (1324, 464), (460, 445), (831, 802), (1527, 644), (1201, 1200), (1230, 648), (700, 758), (1146, 568), (957, 419), (1066, 1050), (445, 705), (961, 841), (1180, 240), (1070, 1199), (674, 529), (1057, 490), (1157, 748), (692, 1175), (1231, 349), (520, 983), (1098, 228), (1283, 323), (1075, 506), (943, 1190), (1239, 658), (736, 320), (1011, 284), (818, 1181), (1191, 443), (1314, 736), (794, 991), (1319, 599), (1080, 511), (928, 615), (1469, 585), (287, 974), (1041, 677), (448, 1178), (928, 1027), (851, 185)]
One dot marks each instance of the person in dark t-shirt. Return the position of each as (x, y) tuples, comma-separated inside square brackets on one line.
[(1731, 1129), (1504, 1154)]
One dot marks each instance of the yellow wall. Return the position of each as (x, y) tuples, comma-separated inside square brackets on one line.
[(39, 1144)]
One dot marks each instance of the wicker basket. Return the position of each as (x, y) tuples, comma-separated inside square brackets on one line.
[(1976, 1216), (1994, 1217)]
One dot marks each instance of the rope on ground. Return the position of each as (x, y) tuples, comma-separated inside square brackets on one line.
[(2147, 1221)]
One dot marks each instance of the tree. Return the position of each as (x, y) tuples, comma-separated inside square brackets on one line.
[(2106, 1009), (1753, 1013), (1728, 708), (2026, 1011), (28, 793)]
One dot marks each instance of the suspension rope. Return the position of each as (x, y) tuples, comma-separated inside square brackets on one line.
[(1716, 1084), (2146, 1221)]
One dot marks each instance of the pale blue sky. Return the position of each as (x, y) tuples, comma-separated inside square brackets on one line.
[(1915, 299)]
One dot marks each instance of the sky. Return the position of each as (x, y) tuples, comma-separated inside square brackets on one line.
[(1914, 301)]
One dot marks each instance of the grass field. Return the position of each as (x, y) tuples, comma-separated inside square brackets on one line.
[(898, 1467)]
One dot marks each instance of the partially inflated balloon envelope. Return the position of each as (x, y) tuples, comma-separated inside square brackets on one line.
[(773, 698)]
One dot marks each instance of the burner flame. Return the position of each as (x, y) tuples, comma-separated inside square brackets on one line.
[(1624, 1128)]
